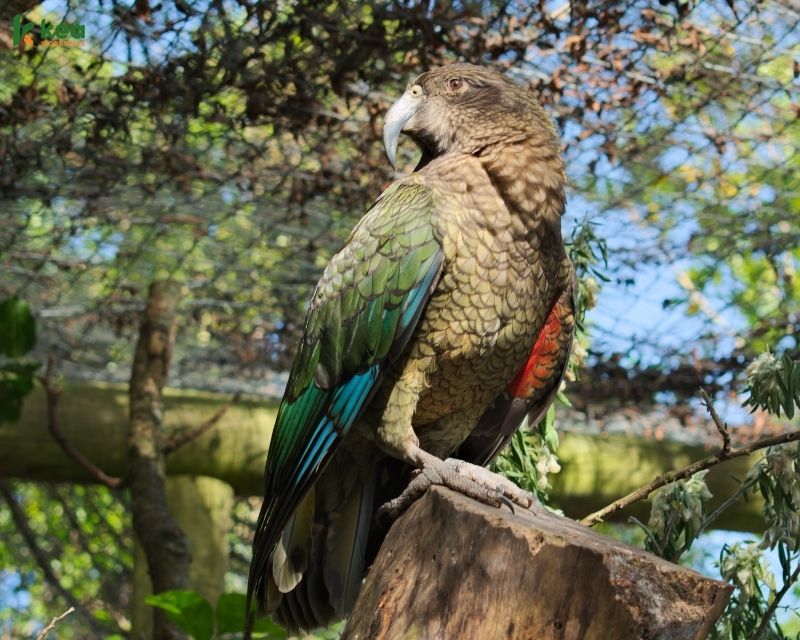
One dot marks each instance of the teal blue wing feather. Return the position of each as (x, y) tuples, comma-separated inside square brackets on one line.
[(362, 314)]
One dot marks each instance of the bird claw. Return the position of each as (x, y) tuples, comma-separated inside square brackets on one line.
[(468, 479), (506, 501)]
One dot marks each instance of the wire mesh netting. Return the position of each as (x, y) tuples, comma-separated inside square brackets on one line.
[(231, 146)]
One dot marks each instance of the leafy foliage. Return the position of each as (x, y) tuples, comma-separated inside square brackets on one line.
[(777, 477), (589, 254), (17, 328), (531, 456), (84, 535), (194, 615), (774, 384), (189, 610), (17, 338), (744, 566), (678, 516), (231, 147)]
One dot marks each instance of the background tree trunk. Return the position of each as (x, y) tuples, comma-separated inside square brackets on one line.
[(202, 508), (161, 537), (453, 568)]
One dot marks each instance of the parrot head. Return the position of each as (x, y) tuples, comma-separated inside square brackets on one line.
[(463, 108)]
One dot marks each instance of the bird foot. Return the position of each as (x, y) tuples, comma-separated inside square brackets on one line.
[(468, 479)]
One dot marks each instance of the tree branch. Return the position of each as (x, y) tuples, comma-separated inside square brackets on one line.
[(43, 634), (186, 436), (763, 627), (53, 393), (687, 472), (721, 426)]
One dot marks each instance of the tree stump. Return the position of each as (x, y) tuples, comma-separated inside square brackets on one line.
[(453, 568)]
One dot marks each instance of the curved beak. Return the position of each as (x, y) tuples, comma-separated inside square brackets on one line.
[(395, 121)]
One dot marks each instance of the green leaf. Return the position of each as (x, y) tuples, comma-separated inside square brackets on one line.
[(231, 613), (230, 619), (188, 609), (16, 382), (103, 616), (10, 402), (21, 369), (266, 628), (17, 328), (17, 379), (548, 430)]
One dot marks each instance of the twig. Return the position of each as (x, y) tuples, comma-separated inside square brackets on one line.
[(43, 634), (742, 490), (53, 393), (773, 606), (687, 472), (722, 427), (186, 436)]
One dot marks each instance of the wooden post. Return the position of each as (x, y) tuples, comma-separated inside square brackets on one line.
[(453, 568)]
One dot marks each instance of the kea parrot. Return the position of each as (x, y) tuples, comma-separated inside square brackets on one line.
[(445, 319)]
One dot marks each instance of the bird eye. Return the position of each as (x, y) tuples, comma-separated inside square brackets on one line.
[(455, 84)]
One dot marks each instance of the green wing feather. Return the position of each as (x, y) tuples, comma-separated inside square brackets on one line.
[(363, 312)]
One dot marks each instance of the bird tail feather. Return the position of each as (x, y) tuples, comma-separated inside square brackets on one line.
[(290, 558), (333, 567), (346, 545)]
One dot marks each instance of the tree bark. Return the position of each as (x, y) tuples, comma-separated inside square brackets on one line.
[(162, 539), (453, 568), (596, 470)]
